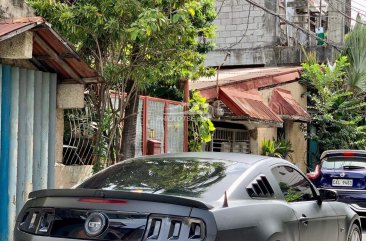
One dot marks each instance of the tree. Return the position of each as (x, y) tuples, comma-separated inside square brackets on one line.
[(200, 126), (133, 44), (337, 113), (356, 52)]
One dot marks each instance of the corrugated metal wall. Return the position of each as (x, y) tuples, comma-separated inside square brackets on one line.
[(28, 127)]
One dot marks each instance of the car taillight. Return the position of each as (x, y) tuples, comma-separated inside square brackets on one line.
[(315, 174), (348, 154), (98, 200), (176, 228), (37, 220)]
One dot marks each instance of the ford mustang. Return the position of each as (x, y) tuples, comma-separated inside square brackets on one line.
[(190, 197)]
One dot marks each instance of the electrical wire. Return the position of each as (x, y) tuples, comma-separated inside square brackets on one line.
[(329, 42), (245, 31), (345, 15)]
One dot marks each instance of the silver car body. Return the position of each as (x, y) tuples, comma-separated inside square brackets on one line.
[(237, 213)]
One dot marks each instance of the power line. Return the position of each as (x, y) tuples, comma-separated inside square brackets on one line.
[(358, 10), (345, 15), (331, 43)]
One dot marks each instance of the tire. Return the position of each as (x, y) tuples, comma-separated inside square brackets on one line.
[(355, 233)]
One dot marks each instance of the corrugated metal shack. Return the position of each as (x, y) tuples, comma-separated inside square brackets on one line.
[(34, 61)]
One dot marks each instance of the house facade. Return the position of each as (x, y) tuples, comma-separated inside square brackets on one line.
[(249, 106), (257, 99), (273, 32)]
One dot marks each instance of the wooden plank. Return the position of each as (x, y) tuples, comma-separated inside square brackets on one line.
[(56, 58)]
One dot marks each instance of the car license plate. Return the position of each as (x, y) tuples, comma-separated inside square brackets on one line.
[(342, 182)]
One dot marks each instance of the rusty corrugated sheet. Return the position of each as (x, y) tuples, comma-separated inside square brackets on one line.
[(284, 104), (229, 77), (248, 104), (10, 25), (247, 79), (51, 52)]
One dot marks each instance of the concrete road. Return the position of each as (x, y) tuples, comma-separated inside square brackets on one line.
[(364, 234)]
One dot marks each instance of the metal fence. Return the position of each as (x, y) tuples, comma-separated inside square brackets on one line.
[(162, 120)]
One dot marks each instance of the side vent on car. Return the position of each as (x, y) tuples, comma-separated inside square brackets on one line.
[(260, 187)]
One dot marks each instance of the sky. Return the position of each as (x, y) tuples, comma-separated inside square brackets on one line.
[(361, 7)]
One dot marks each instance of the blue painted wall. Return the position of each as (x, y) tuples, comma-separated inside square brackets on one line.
[(5, 142), (27, 149)]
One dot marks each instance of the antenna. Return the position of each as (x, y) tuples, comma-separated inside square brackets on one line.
[(225, 205)]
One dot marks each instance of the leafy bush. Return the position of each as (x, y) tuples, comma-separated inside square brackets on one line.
[(281, 148), (336, 112), (201, 127)]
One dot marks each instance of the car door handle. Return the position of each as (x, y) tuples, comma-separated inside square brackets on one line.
[(304, 220)]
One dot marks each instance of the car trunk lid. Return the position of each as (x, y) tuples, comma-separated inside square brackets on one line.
[(109, 215)]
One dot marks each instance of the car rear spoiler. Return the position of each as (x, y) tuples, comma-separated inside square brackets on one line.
[(106, 194), (343, 153)]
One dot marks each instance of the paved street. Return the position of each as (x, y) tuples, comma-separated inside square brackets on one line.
[(364, 234)]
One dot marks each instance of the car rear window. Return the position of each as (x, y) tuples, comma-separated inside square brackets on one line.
[(206, 179), (344, 163)]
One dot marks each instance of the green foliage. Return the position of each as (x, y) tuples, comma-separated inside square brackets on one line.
[(201, 127), (134, 45), (356, 51), (281, 148), (146, 41), (336, 112)]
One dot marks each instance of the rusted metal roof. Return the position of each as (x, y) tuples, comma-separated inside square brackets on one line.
[(248, 104), (246, 79), (51, 52), (283, 103)]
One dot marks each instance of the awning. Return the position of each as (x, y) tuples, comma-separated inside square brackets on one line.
[(51, 53), (248, 104), (283, 103), (246, 79)]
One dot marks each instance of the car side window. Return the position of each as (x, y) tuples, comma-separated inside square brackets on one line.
[(295, 187)]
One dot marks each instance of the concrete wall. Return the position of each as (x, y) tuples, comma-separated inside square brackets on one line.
[(336, 21), (254, 37), (17, 47), (264, 134), (244, 30), (69, 176), (14, 9), (59, 135)]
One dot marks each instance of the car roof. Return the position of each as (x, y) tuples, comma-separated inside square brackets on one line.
[(341, 152), (248, 159)]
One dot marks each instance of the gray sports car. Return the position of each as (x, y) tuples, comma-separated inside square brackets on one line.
[(190, 197)]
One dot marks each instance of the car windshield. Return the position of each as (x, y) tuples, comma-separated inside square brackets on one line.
[(205, 179), (344, 163)]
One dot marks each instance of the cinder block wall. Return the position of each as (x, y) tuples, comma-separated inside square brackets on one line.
[(246, 31), (14, 9)]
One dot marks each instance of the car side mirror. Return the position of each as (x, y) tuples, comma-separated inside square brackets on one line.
[(328, 195)]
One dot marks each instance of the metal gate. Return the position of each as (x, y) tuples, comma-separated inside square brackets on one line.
[(28, 120), (230, 140)]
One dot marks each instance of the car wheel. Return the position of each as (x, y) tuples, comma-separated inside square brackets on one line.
[(355, 233)]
